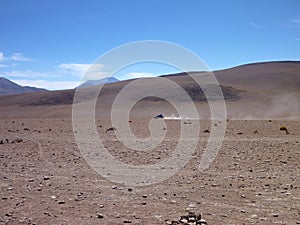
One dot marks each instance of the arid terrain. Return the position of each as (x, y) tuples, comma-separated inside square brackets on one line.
[(255, 178)]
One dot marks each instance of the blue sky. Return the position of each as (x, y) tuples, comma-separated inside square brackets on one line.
[(50, 44)]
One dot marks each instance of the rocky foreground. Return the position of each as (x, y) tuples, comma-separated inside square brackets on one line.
[(255, 178)]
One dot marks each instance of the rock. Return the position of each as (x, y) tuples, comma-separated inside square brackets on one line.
[(144, 196), (110, 129), (18, 140), (61, 202), (202, 221), (126, 221), (100, 216), (46, 178), (190, 219), (192, 205), (183, 220), (206, 131)]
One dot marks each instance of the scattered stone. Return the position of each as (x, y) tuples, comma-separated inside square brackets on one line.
[(206, 131), (126, 221), (190, 219), (1, 142), (100, 216), (144, 196), (53, 197), (284, 128), (46, 178), (202, 221), (110, 129), (60, 202), (275, 215), (192, 205)]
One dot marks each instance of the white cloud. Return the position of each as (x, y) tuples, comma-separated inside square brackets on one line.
[(133, 75), (295, 20), (74, 68), (50, 85), (255, 25), (293, 23), (1, 56), (19, 57), (10, 61), (24, 74), (86, 71)]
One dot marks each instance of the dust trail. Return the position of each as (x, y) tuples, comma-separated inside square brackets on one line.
[(174, 117)]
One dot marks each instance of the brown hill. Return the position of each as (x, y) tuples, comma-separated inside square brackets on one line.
[(254, 90)]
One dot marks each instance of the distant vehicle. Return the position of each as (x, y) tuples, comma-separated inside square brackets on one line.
[(159, 116)]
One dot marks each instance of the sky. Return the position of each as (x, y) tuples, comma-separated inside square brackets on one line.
[(52, 43)]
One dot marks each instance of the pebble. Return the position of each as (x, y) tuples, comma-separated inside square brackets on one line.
[(100, 216), (192, 205), (46, 178)]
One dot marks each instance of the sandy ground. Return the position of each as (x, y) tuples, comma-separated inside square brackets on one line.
[(255, 178)]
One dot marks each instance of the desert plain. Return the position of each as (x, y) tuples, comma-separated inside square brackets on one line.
[(255, 178)]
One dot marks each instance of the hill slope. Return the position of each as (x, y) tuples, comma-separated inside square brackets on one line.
[(8, 87), (259, 90)]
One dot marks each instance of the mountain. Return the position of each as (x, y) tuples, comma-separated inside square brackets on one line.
[(8, 87), (258, 90), (90, 83)]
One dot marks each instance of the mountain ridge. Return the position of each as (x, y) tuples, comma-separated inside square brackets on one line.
[(8, 87)]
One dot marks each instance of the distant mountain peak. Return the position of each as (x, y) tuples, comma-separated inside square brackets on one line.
[(105, 80), (7, 87)]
